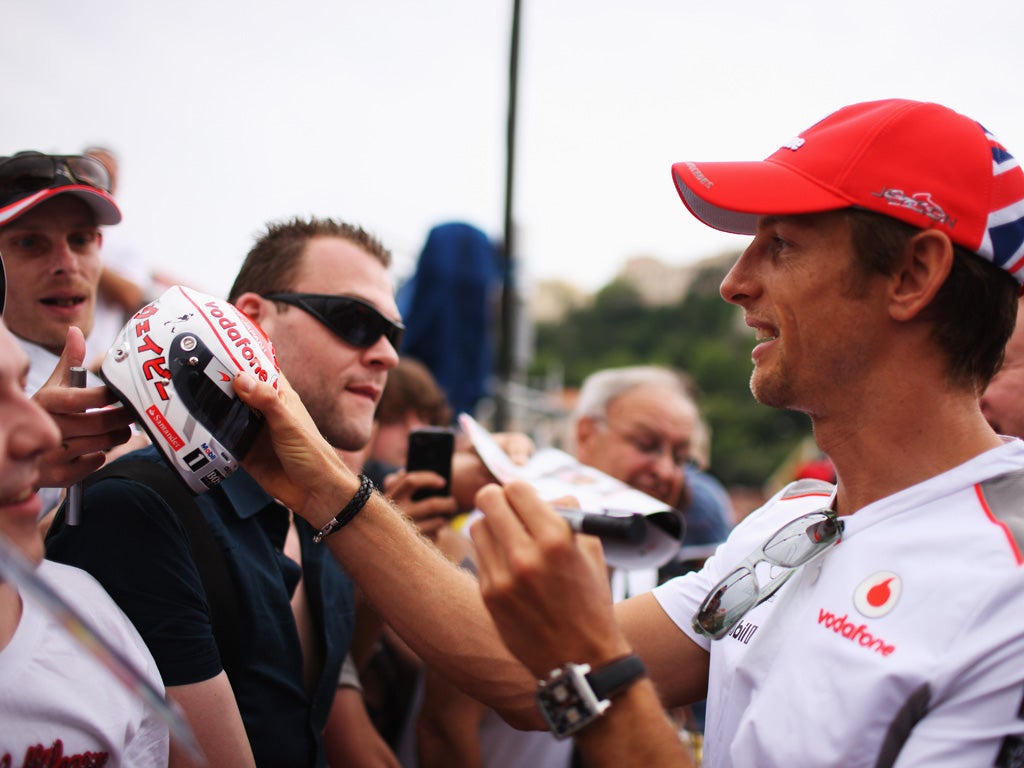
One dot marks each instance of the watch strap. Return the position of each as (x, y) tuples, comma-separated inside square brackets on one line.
[(614, 677), (574, 696)]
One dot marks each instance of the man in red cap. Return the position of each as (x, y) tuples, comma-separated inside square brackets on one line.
[(51, 210), (881, 284), (875, 622)]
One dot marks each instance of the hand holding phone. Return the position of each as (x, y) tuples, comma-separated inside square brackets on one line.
[(431, 448)]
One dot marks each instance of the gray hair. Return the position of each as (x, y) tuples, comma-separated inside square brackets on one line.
[(599, 389)]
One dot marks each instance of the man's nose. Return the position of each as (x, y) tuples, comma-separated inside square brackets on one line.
[(382, 353), (666, 464), (63, 257)]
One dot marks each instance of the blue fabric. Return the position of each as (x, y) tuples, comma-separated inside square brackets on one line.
[(134, 544), (449, 309), (708, 515)]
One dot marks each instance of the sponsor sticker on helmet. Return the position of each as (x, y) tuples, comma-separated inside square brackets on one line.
[(164, 429)]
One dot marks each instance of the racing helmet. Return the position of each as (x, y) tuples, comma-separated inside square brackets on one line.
[(174, 363)]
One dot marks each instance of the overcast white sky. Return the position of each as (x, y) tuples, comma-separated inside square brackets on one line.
[(391, 113)]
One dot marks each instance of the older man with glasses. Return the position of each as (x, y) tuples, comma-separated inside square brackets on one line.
[(640, 424), (637, 424)]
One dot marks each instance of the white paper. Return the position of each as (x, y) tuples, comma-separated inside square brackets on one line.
[(558, 475)]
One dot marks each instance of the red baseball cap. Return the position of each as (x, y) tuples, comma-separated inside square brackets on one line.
[(921, 163)]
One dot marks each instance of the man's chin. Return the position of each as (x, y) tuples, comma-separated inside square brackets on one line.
[(658, 493), (768, 391), (348, 437)]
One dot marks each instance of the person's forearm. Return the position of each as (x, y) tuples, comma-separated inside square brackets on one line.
[(448, 727), (350, 738), (635, 730), (432, 604), (367, 633), (120, 290)]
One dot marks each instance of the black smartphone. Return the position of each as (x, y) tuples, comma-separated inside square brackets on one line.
[(431, 448)]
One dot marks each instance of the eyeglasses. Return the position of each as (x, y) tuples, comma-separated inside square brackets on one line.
[(350, 319), (794, 544), (653, 447), (32, 171)]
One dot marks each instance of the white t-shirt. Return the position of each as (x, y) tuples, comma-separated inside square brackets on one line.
[(41, 365), (42, 362), (108, 319), (903, 645), (58, 701)]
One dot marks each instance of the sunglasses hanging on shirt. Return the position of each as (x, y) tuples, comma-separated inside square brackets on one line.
[(793, 545)]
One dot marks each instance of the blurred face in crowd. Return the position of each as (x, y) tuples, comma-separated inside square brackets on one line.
[(52, 257), (26, 432), (340, 384), (1003, 401), (643, 440), (391, 442)]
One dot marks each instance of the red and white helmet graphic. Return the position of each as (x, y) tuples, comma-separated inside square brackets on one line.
[(173, 364)]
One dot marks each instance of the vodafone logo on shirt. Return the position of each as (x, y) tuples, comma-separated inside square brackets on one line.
[(874, 597), (878, 594)]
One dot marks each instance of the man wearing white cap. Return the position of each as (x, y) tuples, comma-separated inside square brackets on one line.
[(51, 210), (876, 622)]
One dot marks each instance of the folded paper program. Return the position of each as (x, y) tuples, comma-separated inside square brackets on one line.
[(557, 475)]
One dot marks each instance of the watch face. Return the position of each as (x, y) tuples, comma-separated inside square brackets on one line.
[(567, 702)]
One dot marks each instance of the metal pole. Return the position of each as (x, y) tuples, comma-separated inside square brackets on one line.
[(506, 344)]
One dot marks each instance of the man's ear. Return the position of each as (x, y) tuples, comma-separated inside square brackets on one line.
[(586, 426), (926, 262), (255, 307)]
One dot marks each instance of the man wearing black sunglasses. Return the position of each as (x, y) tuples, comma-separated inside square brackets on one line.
[(321, 291), (877, 622), (51, 209)]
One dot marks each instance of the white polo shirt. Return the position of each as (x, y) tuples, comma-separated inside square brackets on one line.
[(41, 364), (903, 645)]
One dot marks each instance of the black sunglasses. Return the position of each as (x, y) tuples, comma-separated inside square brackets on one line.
[(29, 172), (350, 319)]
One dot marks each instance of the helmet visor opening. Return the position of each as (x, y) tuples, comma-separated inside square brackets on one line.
[(205, 388)]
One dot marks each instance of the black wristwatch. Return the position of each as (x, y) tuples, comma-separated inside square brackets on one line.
[(574, 696)]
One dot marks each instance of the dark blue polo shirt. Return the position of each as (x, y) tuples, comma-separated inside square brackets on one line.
[(132, 542)]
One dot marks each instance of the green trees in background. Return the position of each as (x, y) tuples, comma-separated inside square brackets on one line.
[(701, 335)]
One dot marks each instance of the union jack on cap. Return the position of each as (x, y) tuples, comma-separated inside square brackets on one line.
[(1003, 243), (918, 162)]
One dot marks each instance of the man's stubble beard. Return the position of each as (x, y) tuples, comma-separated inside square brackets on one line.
[(344, 433), (773, 391)]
